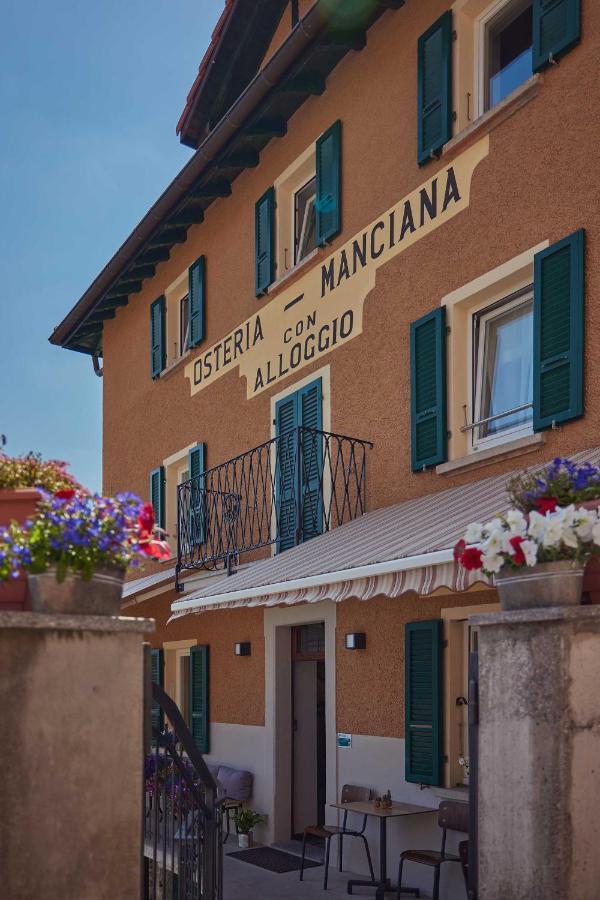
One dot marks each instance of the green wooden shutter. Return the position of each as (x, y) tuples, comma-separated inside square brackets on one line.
[(157, 669), (423, 704), (157, 495), (328, 152), (264, 224), (310, 405), (196, 291), (429, 437), (286, 430), (157, 337), (556, 28), (199, 697), (434, 88), (558, 332), (196, 466)]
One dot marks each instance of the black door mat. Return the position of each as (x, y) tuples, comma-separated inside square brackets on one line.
[(273, 860)]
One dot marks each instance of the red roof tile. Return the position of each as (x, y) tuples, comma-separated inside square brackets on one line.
[(206, 60)]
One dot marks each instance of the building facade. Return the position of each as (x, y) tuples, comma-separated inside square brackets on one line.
[(367, 299)]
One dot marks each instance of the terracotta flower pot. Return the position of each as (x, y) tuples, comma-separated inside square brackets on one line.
[(16, 505), (547, 584), (97, 596), (591, 576)]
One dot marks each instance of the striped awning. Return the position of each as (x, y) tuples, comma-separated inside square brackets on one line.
[(391, 551)]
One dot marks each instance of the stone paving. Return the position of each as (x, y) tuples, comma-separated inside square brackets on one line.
[(243, 881)]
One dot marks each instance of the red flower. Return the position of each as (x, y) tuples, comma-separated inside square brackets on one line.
[(459, 549), (156, 549), (518, 556), (146, 518), (470, 558), (65, 494), (544, 505)]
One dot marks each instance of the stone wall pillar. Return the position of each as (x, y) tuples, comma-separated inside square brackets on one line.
[(71, 770), (539, 754)]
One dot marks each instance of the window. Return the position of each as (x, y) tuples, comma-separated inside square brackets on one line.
[(503, 377), (295, 225), (184, 324), (305, 220), (507, 51)]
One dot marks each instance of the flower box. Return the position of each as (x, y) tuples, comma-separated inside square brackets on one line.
[(16, 504)]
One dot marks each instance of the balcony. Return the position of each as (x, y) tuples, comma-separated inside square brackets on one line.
[(289, 489)]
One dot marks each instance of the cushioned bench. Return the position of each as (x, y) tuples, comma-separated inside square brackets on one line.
[(234, 788)]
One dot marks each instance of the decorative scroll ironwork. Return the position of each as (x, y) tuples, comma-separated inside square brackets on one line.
[(283, 492), (182, 829)]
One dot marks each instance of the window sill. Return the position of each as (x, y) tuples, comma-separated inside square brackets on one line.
[(495, 116), (294, 270), (481, 458), (174, 365), (457, 793)]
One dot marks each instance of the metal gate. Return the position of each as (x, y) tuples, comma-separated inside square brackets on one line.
[(182, 818)]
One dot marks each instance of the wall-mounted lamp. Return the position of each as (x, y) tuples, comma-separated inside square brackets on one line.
[(243, 648), (356, 641)]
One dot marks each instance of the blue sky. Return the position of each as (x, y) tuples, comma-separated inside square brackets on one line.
[(90, 95)]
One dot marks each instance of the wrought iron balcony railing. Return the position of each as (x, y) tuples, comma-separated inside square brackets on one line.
[(281, 493)]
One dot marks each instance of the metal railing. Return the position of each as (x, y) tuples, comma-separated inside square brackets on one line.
[(283, 492), (182, 817)]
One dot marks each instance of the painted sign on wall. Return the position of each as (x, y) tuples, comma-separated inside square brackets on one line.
[(324, 309)]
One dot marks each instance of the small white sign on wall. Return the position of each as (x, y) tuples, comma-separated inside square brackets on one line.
[(344, 740)]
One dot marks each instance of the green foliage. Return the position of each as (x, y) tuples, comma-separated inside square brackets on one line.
[(247, 819), (32, 471)]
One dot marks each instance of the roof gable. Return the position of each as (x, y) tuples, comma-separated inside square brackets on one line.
[(238, 46)]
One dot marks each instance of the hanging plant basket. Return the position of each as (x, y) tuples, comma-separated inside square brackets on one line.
[(99, 595), (547, 584)]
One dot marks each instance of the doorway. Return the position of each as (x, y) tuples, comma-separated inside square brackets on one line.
[(308, 727)]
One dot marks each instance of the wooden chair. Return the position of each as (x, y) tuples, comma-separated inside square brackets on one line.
[(452, 816), (351, 793)]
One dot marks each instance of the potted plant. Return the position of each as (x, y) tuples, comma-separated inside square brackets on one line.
[(536, 559), (245, 820), (562, 483), (20, 480), (77, 548)]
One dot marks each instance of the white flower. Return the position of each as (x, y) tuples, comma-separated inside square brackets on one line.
[(537, 525), (474, 533), (553, 532), (493, 526), (569, 538), (596, 533), (516, 521), (585, 519), (496, 543), (530, 551), (491, 562), (565, 514)]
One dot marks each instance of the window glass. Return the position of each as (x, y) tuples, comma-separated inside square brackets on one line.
[(509, 50), (184, 325), (305, 220), (504, 381)]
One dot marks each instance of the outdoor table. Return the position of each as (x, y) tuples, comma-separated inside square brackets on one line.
[(366, 808)]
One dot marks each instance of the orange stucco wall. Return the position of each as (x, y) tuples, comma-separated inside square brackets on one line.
[(539, 182), (370, 682), (237, 684)]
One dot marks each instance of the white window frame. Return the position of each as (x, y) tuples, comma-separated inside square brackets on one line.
[(184, 350), (295, 191), (480, 55), (484, 314)]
